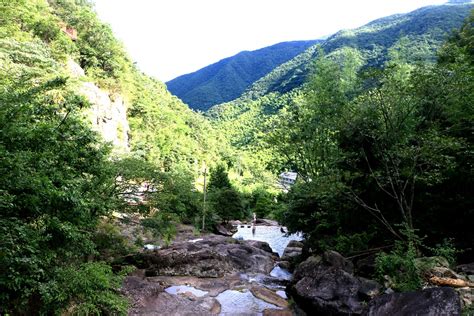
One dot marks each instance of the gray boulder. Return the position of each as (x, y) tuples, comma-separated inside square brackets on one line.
[(325, 286), (429, 302), (214, 256)]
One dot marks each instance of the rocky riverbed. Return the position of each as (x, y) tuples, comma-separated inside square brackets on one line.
[(209, 275), (220, 275)]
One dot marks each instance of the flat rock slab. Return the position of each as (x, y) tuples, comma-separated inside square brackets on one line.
[(268, 296)]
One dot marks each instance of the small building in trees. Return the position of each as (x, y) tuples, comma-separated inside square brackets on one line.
[(287, 179)]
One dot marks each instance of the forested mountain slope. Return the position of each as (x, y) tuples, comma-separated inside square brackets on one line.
[(414, 36), (227, 79)]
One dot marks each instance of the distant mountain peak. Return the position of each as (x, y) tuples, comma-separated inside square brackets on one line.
[(228, 78)]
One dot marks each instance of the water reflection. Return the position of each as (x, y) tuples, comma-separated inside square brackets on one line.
[(242, 303)]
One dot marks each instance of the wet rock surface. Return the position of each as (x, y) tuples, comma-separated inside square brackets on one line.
[(206, 275), (429, 302)]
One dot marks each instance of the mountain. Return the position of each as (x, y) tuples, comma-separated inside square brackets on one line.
[(227, 79), (415, 36), (412, 37)]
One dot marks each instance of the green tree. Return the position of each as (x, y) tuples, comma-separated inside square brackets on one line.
[(57, 182)]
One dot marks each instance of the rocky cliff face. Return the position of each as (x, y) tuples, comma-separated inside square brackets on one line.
[(108, 113)]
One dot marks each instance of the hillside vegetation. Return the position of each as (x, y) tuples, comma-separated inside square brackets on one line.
[(61, 183), (414, 36), (384, 154), (227, 79)]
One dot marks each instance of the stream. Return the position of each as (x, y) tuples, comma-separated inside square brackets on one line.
[(241, 301)]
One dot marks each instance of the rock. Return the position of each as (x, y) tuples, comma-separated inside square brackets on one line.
[(74, 69), (149, 298), (266, 222), (260, 245), (284, 265), (108, 114), (277, 312), (166, 304), (214, 256), (268, 296), (335, 260), (368, 289), (225, 229), (212, 305), (290, 253), (443, 272), (325, 285), (295, 244), (429, 302), (467, 296), (466, 268), (138, 289)]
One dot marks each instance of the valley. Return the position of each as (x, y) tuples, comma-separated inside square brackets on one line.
[(329, 176)]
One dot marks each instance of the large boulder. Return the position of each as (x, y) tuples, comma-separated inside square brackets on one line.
[(260, 245), (225, 229), (293, 250), (213, 256), (429, 302), (325, 285)]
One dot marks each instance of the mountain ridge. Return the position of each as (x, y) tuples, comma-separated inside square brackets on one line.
[(226, 79)]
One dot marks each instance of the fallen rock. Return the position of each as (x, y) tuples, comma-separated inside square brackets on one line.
[(268, 296), (429, 302)]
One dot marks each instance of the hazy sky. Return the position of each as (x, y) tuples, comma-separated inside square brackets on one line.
[(168, 38)]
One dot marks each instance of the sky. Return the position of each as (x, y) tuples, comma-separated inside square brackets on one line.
[(169, 38)]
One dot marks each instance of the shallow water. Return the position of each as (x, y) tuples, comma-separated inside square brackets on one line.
[(280, 273), (242, 303), (177, 289), (270, 234)]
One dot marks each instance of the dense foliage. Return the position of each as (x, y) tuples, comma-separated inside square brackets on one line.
[(57, 182), (383, 155), (381, 152), (227, 79)]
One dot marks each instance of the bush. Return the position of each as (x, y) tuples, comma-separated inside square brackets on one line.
[(90, 288), (400, 264)]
